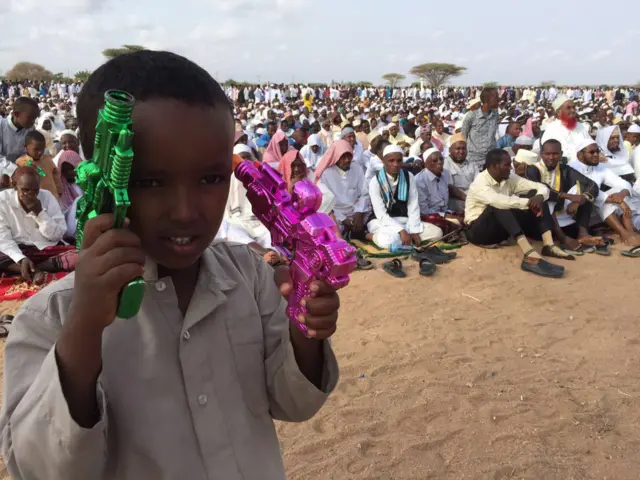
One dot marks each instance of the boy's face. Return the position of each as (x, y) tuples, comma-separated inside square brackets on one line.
[(178, 194), (35, 149), (27, 118)]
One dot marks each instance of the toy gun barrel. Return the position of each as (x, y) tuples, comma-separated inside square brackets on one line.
[(295, 226), (104, 180)]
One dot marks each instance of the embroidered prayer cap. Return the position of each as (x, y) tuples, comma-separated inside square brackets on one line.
[(524, 141), (527, 157), (392, 149)]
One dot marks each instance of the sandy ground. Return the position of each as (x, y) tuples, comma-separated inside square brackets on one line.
[(483, 372)]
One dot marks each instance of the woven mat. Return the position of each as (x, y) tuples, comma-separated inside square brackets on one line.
[(371, 250)]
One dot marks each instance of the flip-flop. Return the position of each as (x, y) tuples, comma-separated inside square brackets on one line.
[(578, 252), (427, 267), (4, 330), (394, 268), (633, 252), (6, 319), (603, 250), (433, 257), (363, 263)]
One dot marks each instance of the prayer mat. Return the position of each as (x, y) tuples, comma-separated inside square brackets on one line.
[(15, 288), (371, 250)]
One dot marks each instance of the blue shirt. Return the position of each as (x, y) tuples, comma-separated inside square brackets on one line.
[(506, 141), (263, 141)]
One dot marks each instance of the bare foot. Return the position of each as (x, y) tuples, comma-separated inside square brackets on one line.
[(590, 241), (631, 240), (572, 243)]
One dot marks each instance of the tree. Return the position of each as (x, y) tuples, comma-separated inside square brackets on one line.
[(437, 74), (490, 85), (28, 71), (82, 76), (115, 52), (548, 83), (393, 79)]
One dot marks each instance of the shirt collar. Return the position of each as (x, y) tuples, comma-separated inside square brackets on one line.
[(431, 176), (11, 124)]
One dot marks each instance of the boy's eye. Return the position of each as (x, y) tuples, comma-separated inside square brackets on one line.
[(212, 179), (145, 183)]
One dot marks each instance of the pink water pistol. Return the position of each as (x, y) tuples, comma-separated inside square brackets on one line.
[(308, 239)]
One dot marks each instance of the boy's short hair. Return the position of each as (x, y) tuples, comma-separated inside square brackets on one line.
[(34, 136), (146, 74), (24, 104)]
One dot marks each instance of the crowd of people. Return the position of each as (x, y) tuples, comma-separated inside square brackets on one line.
[(399, 167)]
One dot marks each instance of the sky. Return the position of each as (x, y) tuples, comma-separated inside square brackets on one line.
[(567, 41)]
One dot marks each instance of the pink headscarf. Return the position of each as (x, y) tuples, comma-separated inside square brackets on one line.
[(272, 155), (528, 129), (70, 191), (285, 165), (438, 144), (335, 153)]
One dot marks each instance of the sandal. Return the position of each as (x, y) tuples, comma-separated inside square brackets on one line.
[(438, 257), (603, 250), (363, 263), (553, 252), (394, 268), (633, 252), (4, 330), (427, 267), (578, 252)]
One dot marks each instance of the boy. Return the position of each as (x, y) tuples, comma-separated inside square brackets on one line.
[(35, 144), (189, 386), (15, 127)]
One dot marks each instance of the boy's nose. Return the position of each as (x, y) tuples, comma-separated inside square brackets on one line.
[(184, 206)]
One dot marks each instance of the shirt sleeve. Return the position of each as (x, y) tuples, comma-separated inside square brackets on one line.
[(522, 185), (39, 438), (483, 194), (414, 224), (423, 193), (466, 126), (363, 205), (614, 181), (292, 397), (50, 220)]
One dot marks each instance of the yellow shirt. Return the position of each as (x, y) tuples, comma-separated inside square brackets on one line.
[(308, 102)]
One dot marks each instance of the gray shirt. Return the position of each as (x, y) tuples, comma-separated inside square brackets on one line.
[(479, 128), (433, 192), (11, 140), (190, 397)]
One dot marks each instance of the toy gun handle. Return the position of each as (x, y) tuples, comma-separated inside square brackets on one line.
[(294, 308)]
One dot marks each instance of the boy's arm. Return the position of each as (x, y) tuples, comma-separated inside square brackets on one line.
[(292, 395), (39, 438)]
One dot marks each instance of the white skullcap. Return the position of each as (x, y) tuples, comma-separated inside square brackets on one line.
[(411, 116), (392, 125), (524, 140), (66, 132), (357, 122), (527, 157), (261, 131), (584, 143), (392, 149), (558, 102), (634, 129), (347, 131), (241, 148), (429, 152)]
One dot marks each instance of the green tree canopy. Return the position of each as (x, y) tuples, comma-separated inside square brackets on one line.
[(490, 85), (28, 71), (82, 75), (110, 53), (548, 83), (437, 74), (393, 79)]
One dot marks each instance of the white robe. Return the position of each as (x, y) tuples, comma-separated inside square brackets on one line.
[(602, 175), (569, 139), (241, 225), (349, 190), (386, 229)]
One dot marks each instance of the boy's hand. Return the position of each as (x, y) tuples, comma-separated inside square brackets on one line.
[(108, 260), (322, 307)]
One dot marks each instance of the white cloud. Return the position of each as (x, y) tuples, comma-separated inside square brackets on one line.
[(556, 53), (437, 34), (541, 40), (599, 55), (283, 48)]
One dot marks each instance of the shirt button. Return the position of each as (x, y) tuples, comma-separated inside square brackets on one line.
[(160, 286), (202, 400), (186, 335)]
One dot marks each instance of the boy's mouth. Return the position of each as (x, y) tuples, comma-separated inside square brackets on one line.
[(181, 240)]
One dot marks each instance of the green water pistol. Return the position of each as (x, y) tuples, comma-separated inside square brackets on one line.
[(104, 180)]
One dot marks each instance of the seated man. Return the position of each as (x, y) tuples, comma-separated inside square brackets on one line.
[(495, 211), (31, 229), (618, 206), (570, 199), (396, 206), (521, 143), (462, 172), (524, 159), (609, 140), (346, 182), (434, 188)]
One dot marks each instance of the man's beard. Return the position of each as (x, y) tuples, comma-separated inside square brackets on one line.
[(569, 122)]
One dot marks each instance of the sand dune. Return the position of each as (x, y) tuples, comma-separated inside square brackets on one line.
[(481, 372)]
